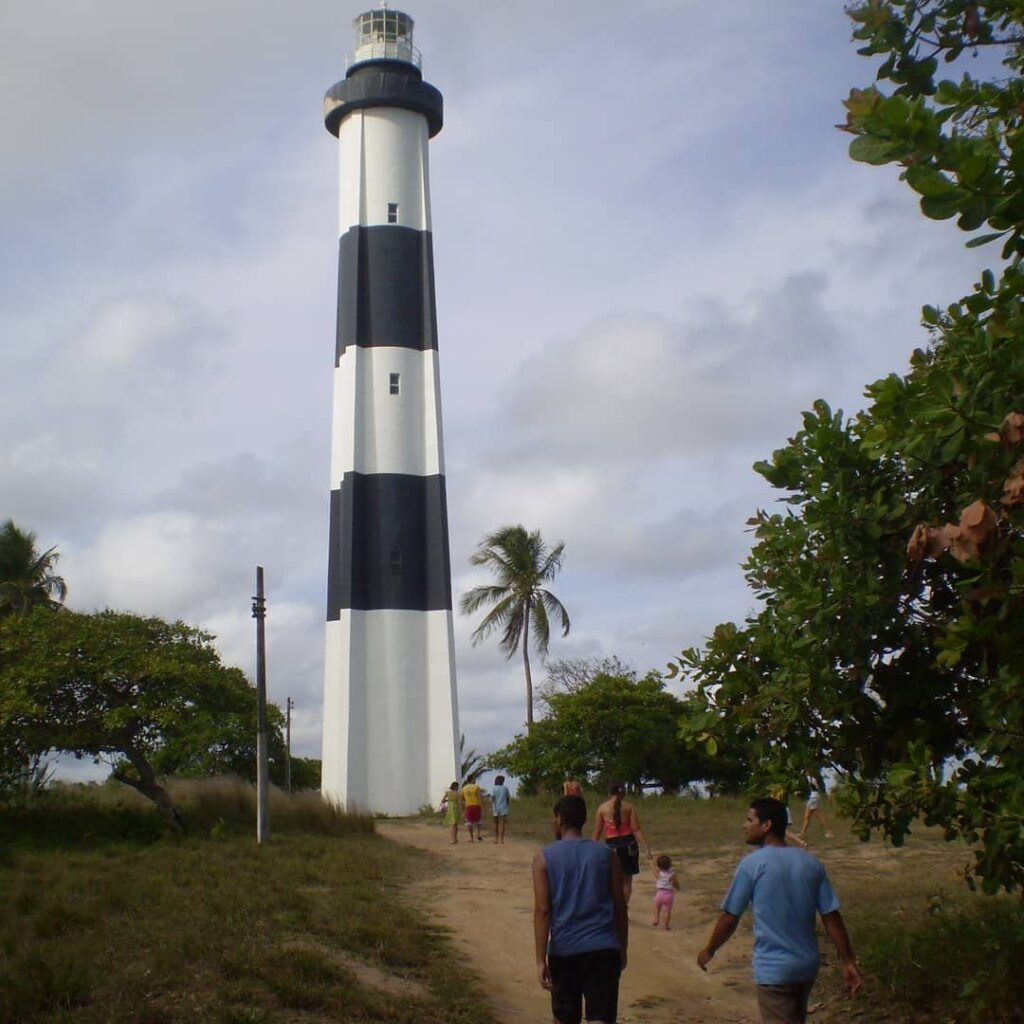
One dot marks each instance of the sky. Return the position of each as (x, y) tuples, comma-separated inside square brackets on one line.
[(652, 253)]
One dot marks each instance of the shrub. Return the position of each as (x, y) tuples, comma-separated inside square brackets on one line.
[(966, 963)]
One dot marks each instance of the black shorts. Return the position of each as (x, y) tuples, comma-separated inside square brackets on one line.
[(627, 849), (593, 977)]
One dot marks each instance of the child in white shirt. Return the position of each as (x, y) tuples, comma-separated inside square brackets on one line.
[(666, 883)]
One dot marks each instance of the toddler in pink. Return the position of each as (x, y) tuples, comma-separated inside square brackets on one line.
[(666, 882)]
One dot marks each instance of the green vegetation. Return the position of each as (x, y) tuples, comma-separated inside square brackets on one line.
[(152, 696), (612, 726), (523, 563), (889, 645), (966, 961), (64, 814), (110, 924), (27, 576), (680, 826), (27, 580)]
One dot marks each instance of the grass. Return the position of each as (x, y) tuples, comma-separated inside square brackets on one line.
[(679, 827), (963, 961), (78, 815), (108, 919), (126, 926)]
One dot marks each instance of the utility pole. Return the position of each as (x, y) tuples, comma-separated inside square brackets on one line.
[(289, 704), (259, 613)]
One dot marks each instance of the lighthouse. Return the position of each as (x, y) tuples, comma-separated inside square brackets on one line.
[(390, 723)]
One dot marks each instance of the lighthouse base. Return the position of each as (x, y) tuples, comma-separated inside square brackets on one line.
[(390, 743)]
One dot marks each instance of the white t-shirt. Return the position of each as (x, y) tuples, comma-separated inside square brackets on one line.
[(664, 880)]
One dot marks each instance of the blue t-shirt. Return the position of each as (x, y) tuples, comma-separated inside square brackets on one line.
[(582, 912), (499, 799), (787, 887)]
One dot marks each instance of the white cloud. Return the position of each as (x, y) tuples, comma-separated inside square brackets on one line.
[(157, 563)]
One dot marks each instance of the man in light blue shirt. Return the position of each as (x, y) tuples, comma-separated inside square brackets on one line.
[(787, 887), (500, 797)]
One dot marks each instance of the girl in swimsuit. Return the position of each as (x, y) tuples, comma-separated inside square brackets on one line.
[(618, 825)]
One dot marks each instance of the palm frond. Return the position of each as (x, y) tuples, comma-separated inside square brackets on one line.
[(513, 630), (27, 578), (552, 563), (555, 609), (498, 617), (478, 596), (541, 627)]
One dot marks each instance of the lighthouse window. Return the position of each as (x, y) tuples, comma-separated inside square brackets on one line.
[(392, 213), (395, 384), (396, 561)]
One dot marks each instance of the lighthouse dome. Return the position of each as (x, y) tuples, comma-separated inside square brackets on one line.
[(384, 34)]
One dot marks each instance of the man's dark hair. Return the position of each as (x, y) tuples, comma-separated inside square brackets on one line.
[(572, 810), (770, 809), (499, 780)]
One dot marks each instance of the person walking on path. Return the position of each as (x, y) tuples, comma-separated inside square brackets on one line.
[(474, 804), (571, 786), (617, 823), (452, 810), (500, 797), (666, 882), (812, 809), (580, 927), (779, 793), (787, 887)]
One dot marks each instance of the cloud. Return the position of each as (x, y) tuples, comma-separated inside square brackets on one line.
[(158, 563), (627, 388)]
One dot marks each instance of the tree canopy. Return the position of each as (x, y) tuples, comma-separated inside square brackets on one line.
[(612, 727), (523, 563), (889, 644), (151, 696)]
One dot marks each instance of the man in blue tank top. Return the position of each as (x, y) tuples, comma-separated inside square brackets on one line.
[(580, 926), (787, 887)]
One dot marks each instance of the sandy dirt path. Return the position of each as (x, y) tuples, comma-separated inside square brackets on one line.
[(491, 919)]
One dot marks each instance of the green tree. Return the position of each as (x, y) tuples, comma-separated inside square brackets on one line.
[(889, 645), (523, 563), (27, 577), (306, 773), (27, 580), (138, 691), (224, 743), (613, 727)]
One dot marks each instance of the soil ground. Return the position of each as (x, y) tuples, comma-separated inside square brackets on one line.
[(488, 905)]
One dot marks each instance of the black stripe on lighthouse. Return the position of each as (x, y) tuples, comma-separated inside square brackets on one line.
[(386, 288), (389, 544)]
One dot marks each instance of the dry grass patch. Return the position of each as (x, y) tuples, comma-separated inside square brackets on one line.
[(144, 930)]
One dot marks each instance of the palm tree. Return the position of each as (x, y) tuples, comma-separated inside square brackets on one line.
[(27, 578), (471, 765), (522, 563)]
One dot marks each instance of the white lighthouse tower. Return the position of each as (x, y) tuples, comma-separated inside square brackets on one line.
[(390, 712)]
